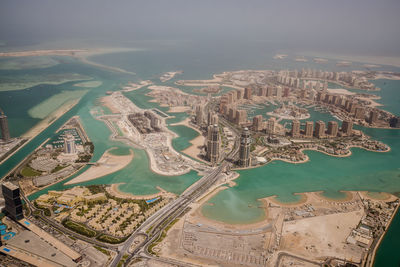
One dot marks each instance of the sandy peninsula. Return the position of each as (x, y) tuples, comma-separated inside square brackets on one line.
[(46, 122), (107, 102), (107, 164)]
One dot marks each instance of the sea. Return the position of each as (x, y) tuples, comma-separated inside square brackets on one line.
[(26, 83)]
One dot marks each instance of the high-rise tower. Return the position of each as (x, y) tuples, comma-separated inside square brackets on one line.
[(213, 144), (333, 128), (309, 129), (295, 132), (244, 151), (319, 129), (12, 200), (347, 127), (69, 144), (5, 133)]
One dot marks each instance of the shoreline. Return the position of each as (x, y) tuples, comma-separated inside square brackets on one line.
[(193, 150), (79, 54), (308, 158), (378, 244), (38, 131), (113, 189), (52, 117), (305, 196), (107, 164)]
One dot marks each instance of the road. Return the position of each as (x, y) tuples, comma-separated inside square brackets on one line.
[(63, 229), (161, 219)]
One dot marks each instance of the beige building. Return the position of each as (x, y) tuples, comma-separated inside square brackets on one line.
[(333, 128), (295, 128), (309, 129), (319, 129)]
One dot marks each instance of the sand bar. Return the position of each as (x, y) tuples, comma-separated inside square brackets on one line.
[(46, 122), (107, 164)]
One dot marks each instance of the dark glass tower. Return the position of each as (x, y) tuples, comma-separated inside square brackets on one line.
[(12, 200), (5, 133)]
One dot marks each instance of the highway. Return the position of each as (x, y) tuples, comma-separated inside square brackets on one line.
[(162, 218), (159, 220)]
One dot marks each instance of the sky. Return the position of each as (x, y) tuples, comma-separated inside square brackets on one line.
[(354, 26)]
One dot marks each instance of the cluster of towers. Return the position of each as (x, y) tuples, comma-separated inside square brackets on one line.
[(320, 130), (270, 126), (229, 102), (213, 135), (212, 118), (5, 132)]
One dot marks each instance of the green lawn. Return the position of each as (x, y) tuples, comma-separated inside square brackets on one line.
[(29, 172), (79, 228), (110, 239)]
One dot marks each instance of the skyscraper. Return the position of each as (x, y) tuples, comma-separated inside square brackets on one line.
[(247, 93), (333, 128), (373, 117), (271, 125), (232, 114), (244, 150), (258, 123), (69, 144), (270, 91), (5, 133), (213, 144), (241, 117), (309, 129), (279, 91), (295, 132), (199, 115), (319, 129), (347, 127), (12, 200), (359, 113)]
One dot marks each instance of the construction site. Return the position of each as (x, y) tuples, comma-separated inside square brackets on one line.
[(313, 231)]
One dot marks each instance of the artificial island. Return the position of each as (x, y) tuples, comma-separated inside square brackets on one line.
[(100, 225)]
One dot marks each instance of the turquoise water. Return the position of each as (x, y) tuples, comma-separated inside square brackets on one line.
[(388, 252), (186, 134), (362, 171)]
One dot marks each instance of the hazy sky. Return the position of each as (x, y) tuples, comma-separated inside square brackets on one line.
[(362, 26)]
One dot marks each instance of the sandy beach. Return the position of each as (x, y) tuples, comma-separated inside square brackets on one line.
[(350, 196), (179, 109), (133, 86), (340, 91), (273, 199), (113, 190), (107, 164), (107, 102)]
